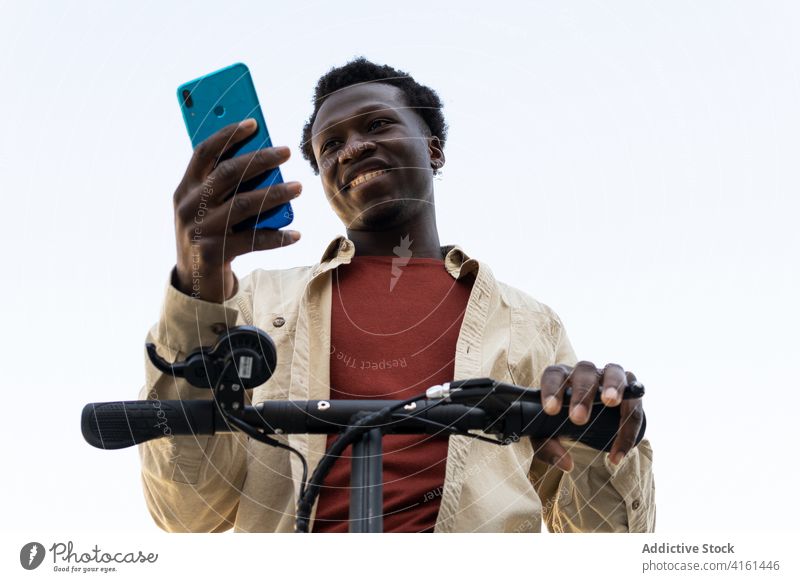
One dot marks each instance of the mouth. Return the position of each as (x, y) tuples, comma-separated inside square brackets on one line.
[(364, 178)]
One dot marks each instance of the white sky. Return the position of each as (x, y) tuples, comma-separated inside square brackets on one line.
[(632, 164)]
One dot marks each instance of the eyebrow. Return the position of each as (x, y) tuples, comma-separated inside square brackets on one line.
[(372, 108)]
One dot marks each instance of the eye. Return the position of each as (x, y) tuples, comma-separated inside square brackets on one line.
[(376, 123), (327, 145)]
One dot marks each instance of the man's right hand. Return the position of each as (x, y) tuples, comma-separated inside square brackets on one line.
[(204, 215)]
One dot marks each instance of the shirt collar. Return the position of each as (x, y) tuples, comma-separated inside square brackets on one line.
[(341, 250)]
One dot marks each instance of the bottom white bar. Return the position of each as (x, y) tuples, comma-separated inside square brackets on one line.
[(413, 557)]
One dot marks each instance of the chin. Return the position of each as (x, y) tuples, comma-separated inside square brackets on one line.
[(385, 214)]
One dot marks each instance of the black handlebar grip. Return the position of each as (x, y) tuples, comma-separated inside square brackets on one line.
[(599, 432), (118, 425)]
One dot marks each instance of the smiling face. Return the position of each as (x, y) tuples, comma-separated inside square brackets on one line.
[(376, 157)]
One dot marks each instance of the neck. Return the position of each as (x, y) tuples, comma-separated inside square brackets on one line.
[(422, 235)]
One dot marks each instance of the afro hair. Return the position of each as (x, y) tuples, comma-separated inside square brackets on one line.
[(422, 99)]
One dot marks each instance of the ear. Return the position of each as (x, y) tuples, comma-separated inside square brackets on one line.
[(436, 153)]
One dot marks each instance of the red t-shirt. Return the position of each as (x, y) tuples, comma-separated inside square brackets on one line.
[(394, 327)]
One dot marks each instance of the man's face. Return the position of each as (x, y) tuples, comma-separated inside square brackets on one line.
[(375, 156)]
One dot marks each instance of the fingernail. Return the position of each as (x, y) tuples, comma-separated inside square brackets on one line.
[(294, 188), (293, 235), (610, 396), (248, 123), (551, 405), (579, 414), (617, 457), (282, 150)]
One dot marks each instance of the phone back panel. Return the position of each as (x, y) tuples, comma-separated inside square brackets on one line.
[(227, 96)]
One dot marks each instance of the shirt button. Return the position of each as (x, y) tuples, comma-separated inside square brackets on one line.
[(218, 328), (635, 505), (278, 321)]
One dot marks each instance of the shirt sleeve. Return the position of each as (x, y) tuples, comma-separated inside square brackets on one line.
[(596, 496), (191, 483)]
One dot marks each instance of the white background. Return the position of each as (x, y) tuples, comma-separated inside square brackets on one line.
[(632, 164)]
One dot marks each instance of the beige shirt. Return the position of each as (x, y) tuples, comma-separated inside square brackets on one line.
[(205, 484)]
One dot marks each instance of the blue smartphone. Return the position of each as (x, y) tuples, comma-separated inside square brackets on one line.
[(213, 101)]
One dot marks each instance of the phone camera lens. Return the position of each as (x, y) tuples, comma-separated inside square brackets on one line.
[(187, 98), (219, 111)]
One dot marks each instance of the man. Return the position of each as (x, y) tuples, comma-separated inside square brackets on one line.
[(386, 313)]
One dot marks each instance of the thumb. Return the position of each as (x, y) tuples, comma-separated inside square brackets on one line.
[(552, 452)]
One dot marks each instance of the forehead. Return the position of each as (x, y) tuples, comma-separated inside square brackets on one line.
[(355, 100)]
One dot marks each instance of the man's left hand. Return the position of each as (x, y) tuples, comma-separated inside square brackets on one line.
[(585, 380)]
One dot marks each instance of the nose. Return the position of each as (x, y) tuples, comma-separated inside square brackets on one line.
[(354, 149)]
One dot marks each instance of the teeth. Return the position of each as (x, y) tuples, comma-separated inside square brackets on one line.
[(364, 178)]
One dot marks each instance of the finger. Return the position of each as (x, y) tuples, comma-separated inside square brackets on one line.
[(553, 384), (584, 381), (551, 451), (208, 152), (261, 239), (613, 384), (243, 205), (631, 418), (230, 173)]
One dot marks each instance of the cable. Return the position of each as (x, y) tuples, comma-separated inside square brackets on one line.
[(364, 424), (253, 432), (348, 437)]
